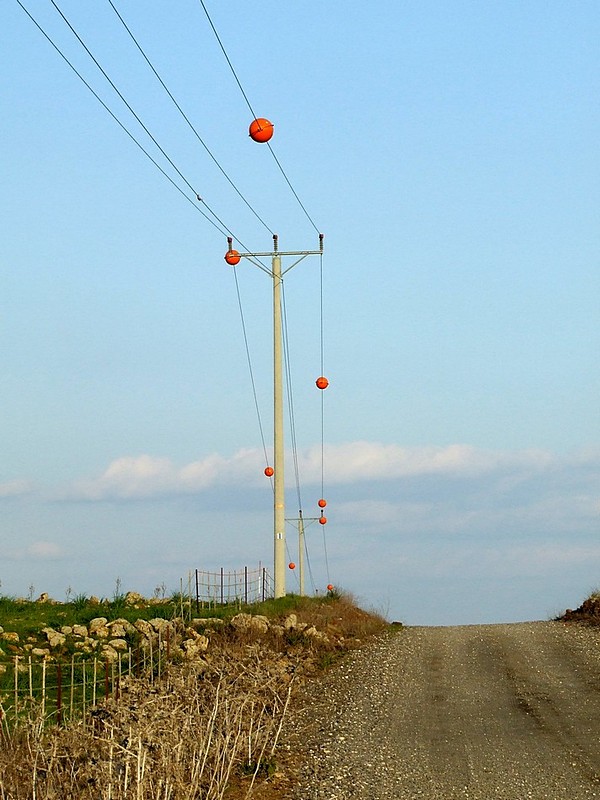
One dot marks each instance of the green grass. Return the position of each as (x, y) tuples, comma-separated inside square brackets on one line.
[(27, 618)]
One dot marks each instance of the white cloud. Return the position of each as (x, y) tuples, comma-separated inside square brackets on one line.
[(44, 550), (404, 517), (37, 551), (15, 488), (359, 461), (354, 462), (146, 476), (413, 522)]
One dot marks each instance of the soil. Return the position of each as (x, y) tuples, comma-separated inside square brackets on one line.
[(479, 712)]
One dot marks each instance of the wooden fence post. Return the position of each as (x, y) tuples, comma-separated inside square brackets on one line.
[(83, 690), (106, 680), (16, 676), (72, 697), (44, 687), (58, 692), (95, 681)]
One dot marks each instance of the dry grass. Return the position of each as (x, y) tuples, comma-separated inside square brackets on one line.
[(208, 729)]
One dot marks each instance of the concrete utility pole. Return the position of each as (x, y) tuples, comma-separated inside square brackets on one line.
[(278, 444), (299, 522), (301, 553), (277, 275)]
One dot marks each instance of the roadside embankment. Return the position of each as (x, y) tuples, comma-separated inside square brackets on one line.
[(181, 707)]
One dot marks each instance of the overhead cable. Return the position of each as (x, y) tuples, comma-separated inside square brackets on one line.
[(231, 67), (290, 397), (129, 107), (186, 118), (249, 360), (222, 229), (254, 116)]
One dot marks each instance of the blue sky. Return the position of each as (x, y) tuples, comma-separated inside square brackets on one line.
[(449, 153)]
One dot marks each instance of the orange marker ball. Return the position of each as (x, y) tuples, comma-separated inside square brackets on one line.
[(322, 503), (261, 130), (323, 520), (269, 472), (232, 257), (322, 382), (330, 587), (291, 565)]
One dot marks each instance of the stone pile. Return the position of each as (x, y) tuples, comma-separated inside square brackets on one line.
[(175, 638)]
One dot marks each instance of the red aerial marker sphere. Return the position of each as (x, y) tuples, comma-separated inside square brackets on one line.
[(291, 565), (322, 503), (322, 383), (323, 520), (232, 257), (330, 587), (269, 472), (261, 129)]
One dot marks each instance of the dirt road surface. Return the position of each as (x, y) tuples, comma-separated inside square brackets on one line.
[(479, 712)]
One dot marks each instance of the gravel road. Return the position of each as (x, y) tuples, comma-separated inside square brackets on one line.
[(480, 712)]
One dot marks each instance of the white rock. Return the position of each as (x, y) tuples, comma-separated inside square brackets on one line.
[(56, 639), (260, 623), (108, 653), (241, 622), (97, 623), (291, 622), (143, 626), (208, 622), (134, 599)]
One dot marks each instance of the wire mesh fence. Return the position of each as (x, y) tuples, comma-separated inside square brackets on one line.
[(61, 685), (226, 587), (64, 688)]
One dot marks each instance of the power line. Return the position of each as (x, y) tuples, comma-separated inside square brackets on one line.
[(185, 117), (290, 397), (222, 229), (308, 564), (249, 360), (245, 96), (289, 183), (120, 95), (231, 67)]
